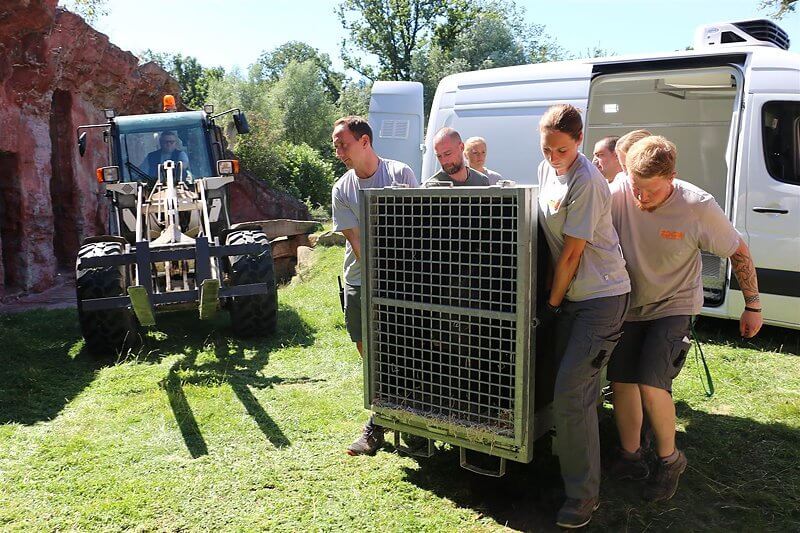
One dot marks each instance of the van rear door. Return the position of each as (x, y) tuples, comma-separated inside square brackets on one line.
[(694, 102), (772, 205), (396, 116)]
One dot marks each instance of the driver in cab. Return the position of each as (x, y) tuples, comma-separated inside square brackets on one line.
[(168, 142)]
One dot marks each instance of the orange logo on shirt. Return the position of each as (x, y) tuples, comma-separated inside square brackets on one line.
[(671, 235)]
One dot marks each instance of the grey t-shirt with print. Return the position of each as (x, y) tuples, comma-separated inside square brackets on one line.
[(344, 204), (578, 204), (662, 247), (474, 178)]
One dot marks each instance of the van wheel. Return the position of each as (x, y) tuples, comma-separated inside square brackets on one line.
[(109, 331), (256, 314)]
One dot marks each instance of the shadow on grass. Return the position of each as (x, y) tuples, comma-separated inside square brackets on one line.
[(39, 374), (184, 416), (770, 338), (238, 362), (743, 476)]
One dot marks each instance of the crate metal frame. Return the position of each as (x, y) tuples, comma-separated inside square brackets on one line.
[(516, 446)]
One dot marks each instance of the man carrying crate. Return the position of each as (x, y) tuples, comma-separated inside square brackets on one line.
[(352, 139)]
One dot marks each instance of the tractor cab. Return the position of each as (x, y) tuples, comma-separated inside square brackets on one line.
[(143, 142)]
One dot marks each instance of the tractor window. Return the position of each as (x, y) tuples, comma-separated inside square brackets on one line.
[(142, 152)]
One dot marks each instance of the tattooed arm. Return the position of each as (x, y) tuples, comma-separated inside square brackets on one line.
[(745, 272)]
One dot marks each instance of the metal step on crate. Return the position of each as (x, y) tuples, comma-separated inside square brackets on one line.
[(448, 293)]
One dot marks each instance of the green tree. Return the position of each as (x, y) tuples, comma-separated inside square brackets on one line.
[(90, 10), (300, 106), (392, 31), (250, 93), (193, 79), (355, 99), (778, 8), (425, 41), (275, 62)]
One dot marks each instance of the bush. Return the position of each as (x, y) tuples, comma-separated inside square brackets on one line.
[(303, 169), (296, 169)]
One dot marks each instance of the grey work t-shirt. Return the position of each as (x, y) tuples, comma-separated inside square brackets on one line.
[(662, 247), (493, 176), (578, 204), (344, 204), (474, 178)]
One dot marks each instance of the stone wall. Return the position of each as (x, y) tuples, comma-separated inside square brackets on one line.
[(56, 73)]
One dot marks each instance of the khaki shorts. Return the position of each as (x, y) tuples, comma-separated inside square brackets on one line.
[(352, 311), (651, 352)]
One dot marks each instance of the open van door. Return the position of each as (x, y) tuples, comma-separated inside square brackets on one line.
[(772, 205), (396, 116)]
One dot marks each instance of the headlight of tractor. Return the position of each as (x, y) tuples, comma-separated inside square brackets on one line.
[(228, 167), (108, 175)]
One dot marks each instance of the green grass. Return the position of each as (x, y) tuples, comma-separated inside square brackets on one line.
[(201, 431)]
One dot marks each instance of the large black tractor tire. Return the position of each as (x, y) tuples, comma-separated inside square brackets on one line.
[(253, 315), (110, 331)]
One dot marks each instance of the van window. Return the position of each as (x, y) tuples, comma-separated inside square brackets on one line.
[(781, 134)]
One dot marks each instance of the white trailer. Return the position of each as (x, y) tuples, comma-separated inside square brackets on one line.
[(731, 105)]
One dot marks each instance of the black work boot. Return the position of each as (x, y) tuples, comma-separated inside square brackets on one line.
[(576, 513), (627, 465), (663, 484), (369, 441)]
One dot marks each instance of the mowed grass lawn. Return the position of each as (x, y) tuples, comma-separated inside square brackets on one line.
[(201, 431)]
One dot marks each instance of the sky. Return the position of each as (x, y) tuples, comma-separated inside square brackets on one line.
[(234, 33)]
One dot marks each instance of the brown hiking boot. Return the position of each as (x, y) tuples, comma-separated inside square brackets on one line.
[(576, 513), (664, 482), (626, 465), (369, 441)]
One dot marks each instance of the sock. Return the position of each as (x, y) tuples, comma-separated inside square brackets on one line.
[(671, 458), (631, 456)]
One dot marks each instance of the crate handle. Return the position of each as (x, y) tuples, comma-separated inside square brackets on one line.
[(500, 472), (436, 183), (431, 449), (505, 183)]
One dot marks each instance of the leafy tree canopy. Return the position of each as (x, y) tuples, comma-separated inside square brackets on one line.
[(190, 74), (778, 8), (275, 62)]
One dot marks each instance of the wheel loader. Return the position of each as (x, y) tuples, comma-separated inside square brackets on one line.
[(170, 243)]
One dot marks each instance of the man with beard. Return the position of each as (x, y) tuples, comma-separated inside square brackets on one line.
[(352, 140), (449, 151), (663, 223)]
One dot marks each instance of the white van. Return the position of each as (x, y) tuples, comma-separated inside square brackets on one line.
[(731, 105)]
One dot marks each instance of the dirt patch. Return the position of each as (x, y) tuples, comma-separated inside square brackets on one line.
[(60, 296)]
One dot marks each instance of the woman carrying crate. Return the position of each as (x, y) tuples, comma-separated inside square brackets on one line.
[(587, 302)]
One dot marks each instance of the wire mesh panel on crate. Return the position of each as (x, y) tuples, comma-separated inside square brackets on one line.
[(448, 293)]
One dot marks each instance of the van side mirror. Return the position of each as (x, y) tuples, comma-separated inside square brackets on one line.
[(240, 121), (82, 143)]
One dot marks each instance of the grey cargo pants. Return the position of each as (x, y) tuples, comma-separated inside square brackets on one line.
[(587, 333)]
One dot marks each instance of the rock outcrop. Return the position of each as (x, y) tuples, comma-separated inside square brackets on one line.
[(57, 73)]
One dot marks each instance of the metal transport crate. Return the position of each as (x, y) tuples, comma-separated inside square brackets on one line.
[(448, 299)]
